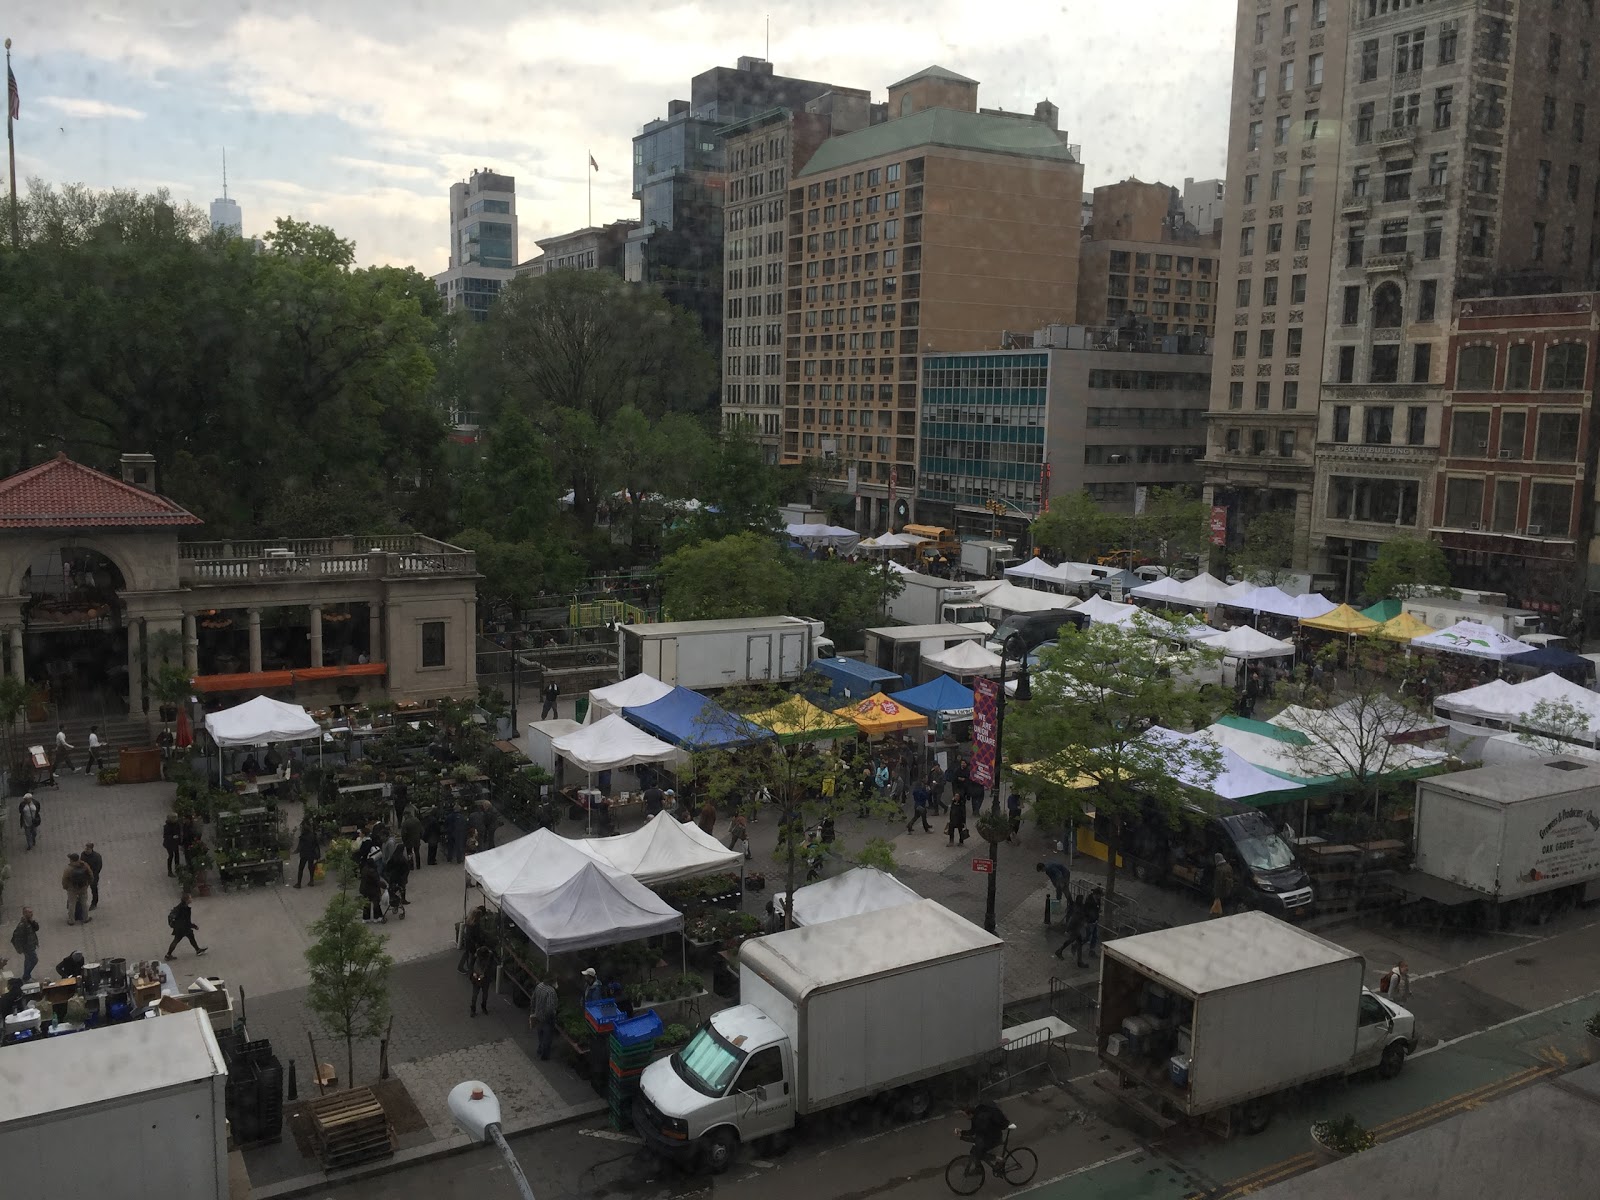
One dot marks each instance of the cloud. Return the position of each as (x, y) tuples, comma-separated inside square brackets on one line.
[(90, 110), (396, 169)]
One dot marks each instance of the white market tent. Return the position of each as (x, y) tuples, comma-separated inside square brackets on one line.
[(1311, 605), (1009, 598), (1244, 642), (862, 890), (633, 692), (664, 849), (1348, 733), (1101, 611), (1494, 701), (819, 536), (963, 659), (1237, 591), (1165, 590), (1205, 590), (1034, 568), (540, 741), (1498, 700), (1472, 638), (611, 743), (982, 587), (1260, 749), (261, 721), (1235, 778), (535, 860), (592, 907), (892, 541)]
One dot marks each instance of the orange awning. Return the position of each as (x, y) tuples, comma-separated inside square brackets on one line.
[(245, 681), (353, 671)]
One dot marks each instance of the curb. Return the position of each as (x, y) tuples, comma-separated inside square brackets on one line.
[(302, 1185)]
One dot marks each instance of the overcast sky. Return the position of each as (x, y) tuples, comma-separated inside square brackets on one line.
[(359, 114)]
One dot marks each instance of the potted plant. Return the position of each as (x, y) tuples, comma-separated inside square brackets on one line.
[(186, 880), (1341, 1137)]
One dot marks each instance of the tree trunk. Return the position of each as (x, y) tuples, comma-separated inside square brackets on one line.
[(349, 1062), (1113, 847)]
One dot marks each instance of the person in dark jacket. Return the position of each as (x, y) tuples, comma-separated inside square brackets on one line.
[(172, 842), (455, 835), (91, 856), (181, 921), (1222, 884), (471, 935), (1075, 932), (25, 941), (372, 892), (411, 835), (432, 832), (476, 823), (552, 694), (309, 848), (188, 839), (957, 822), (482, 976), (920, 800), (1091, 919)]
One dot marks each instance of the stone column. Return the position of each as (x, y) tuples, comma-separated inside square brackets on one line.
[(191, 645), (17, 663), (255, 639), (135, 666), (316, 635), (375, 631)]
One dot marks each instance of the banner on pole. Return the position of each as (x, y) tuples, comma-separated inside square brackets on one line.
[(985, 747), (1219, 525)]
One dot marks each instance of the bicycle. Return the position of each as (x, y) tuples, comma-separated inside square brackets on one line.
[(1015, 1165)]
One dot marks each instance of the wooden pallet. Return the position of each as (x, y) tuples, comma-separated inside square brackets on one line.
[(350, 1128)]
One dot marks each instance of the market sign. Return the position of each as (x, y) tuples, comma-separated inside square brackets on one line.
[(985, 708), (1219, 525), (983, 866)]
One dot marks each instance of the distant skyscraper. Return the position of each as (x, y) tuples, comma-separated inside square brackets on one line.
[(483, 242), (225, 213)]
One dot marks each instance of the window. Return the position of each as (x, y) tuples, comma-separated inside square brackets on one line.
[(1286, 75), (1280, 130), (1427, 299), (1405, 111), (1291, 394), (1557, 439), (1308, 179), (1447, 46), (1567, 238), (762, 1069), (1442, 98), (1311, 122), (1314, 70), (1397, 179), (1236, 395), (1232, 441), (1319, 13), (1365, 114), (1438, 168), (1247, 241), (1541, 180), (1302, 235), (1258, 83), (1258, 441), (1574, 179), (1360, 181), (1274, 238), (1241, 343), (1380, 501), (1341, 422), (1549, 114), (1357, 245), (1416, 425), (1408, 48), (1463, 503), (1577, 122), (1564, 367), (1385, 365), (1519, 367), (1513, 433), (1253, 136), (1241, 294), (1552, 54), (1369, 60), (1292, 341), (1276, 191), (1352, 304), (1491, 111), (1392, 236), (1269, 291), (1536, 247), (1480, 174), (1432, 236), (1347, 364), (1478, 237), (1550, 510), (1297, 289), (1475, 369), (1583, 60), (432, 643), (1291, 18), (1421, 362), (1265, 343), (1497, 39), (1507, 492), (1285, 443), (1263, 394), (1249, 192), (1263, 23)]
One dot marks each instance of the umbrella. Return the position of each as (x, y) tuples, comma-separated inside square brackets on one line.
[(185, 735)]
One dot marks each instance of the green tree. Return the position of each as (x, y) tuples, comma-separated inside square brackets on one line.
[(348, 967), (743, 575), (1084, 733), (847, 597), (1405, 561), (1078, 529), (1173, 526), (1554, 726), (1268, 549)]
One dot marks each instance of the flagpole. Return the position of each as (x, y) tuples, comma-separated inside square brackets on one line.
[(11, 147), (588, 177)]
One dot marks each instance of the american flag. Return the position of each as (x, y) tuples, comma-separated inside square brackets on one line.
[(13, 97)]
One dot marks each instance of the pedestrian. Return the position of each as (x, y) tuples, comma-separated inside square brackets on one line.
[(1221, 885), (172, 842), (738, 831), (920, 799), (654, 801), (411, 835), (471, 933), (475, 824), (64, 751), (593, 990), (396, 874), (165, 742), (958, 820), (543, 1016), (455, 847), (188, 839), (1091, 919), (75, 881), (708, 818), (815, 854), (309, 847), (91, 856), (1396, 984), (1014, 813), (372, 891), (1059, 875), (181, 921), (1074, 925), (552, 694), (25, 941), (936, 785), (29, 816), (93, 763)]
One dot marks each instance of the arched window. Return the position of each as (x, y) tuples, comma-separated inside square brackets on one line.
[(905, 105), (1386, 308)]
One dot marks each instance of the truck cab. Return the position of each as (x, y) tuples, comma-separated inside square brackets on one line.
[(733, 1082), (1385, 1034)]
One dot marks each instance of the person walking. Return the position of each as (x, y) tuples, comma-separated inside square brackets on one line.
[(165, 742), (471, 935), (1397, 983), (481, 976), (1075, 932), (411, 835), (75, 881), (1222, 883), (91, 856), (432, 831), (552, 694), (63, 755), (1057, 876), (455, 829), (171, 841), (93, 762), (936, 785), (1091, 919), (181, 921), (707, 819), (371, 889), (919, 808), (958, 819), (739, 831), (1014, 813), (25, 941), (309, 849), (543, 1015), (29, 816)]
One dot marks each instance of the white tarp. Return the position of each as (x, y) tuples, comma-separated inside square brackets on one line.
[(261, 721), (1238, 591), (1165, 590), (610, 743), (1260, 749), (1235, 778), (1009, 598), (1205, 590), (1272, 600), (1101, 611), (633, 692), (964, 658), (538, 859), (1310, 605), (664, 849), (1494, 701), (862, 890), (892, 541), (592, 907), (1498, 700), (1244, 642), (1470, 637), (1034, 568), (817, 536), (1350, 734)]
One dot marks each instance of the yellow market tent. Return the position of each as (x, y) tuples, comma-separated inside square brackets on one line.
[(1343, 619), (1404, 627), (798, 720), (877, 715)]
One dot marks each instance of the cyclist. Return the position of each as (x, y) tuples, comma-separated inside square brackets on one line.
[(988, 1131)]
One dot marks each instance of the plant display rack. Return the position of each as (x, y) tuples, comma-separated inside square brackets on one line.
[(249, 845)]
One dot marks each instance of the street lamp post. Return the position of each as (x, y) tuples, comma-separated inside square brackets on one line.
[(1024, 692), (476, 1110)]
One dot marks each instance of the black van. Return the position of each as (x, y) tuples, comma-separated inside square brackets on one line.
[(1036, 628), (1264, 867)]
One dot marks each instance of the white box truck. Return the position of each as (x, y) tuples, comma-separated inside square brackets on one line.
[(717, 654), (1440, 612), (984, 558), (1213, 1019), (899, 648), (133, 1109), (861, 1008), (928, 600), (1515, 839)]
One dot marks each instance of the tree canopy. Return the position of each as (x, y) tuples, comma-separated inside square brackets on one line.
[(1406, 561), (1268, 549)]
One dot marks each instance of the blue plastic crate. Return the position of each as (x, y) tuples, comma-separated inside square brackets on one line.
[(646, 1027), (602, 1014)]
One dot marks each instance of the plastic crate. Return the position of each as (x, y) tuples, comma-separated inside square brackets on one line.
[(602, 1015), (641, 1030), (627, 1073)]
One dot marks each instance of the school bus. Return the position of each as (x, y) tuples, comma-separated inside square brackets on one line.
[(940, 541)]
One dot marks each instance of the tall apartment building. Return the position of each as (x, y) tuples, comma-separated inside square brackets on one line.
[(1143, 268), (1468, 169), (762, 154), (1279, 219), (927, 232), (483, 242)]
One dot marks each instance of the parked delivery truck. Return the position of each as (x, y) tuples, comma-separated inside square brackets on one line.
[(1216, 1018), (927, 600), (876, 1006), (719, 654)]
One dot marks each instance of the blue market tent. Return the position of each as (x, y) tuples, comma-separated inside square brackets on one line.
[(941, 695), (855, 680), (688, 719), (1548, 658)]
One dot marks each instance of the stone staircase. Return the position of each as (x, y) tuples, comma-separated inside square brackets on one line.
[(115, 732)]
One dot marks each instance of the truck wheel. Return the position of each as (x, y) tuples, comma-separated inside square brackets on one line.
[(718, 1149), (1394, 1058), (915, 1103), (1255, 1115)]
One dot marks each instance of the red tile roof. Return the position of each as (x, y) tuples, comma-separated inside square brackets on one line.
[(62, 494)]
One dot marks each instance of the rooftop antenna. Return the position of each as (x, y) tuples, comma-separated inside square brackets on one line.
[(768, 54), (224, 172)]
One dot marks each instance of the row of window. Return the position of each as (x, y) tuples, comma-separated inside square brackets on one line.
[(754, 393), (873, 177), (1117, 263), (855, 314), (1133, 417), (754, 215), (1549, 506), (1151, 381), (1161, 285), (854, 290), (1288, 395), (736, 249), (759, 153), (844, 418), (1160, 328), (858, 341), (759, 184), (1267, 342), (1290, 20), (770, 275), (1247, 238), (1383, 363), (1286, 79), (1556, 439), (1282, 124), (1269, 291), (751, 335), (1277, 187), (1565, 365), (1258, 442), (773, 306), (1138, 456), (853, 366), (1410, 49)]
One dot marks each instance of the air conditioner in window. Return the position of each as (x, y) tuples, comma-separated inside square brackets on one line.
[(1535, 530), (1474, 525), (1483, 445), (1505, 454)]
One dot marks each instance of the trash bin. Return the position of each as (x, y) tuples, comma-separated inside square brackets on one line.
[(581, 710)]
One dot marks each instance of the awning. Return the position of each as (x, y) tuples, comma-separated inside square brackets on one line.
[(878, 714), (851, 677), (261, 721), (1402, 627), (799, 720), (941, 695), (1235, 779), (1383, 610), (593, 907), (1009, 598), (1474, 639), (1548, 658), (247, 681), (1343, 619), (964, 658), (689, 720), (632, 692), (611, 743), (862, 890), (369, 670)]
